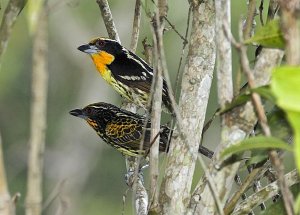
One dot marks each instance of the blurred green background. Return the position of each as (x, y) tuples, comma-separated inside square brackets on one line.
[(92, 172)]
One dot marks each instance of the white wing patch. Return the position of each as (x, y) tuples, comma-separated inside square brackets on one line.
[(133, 78), (138, 61)]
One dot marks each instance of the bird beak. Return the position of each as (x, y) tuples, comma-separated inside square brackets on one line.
[(89, 49), (77, 113)]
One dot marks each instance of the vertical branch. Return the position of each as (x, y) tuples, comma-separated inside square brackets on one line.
[(158, 28), (108, 20), (196, 83), (225, 94), (135, 178), (224, 59), (291, 31), (13, 9), (136, 25), (6, 206), (265, 193), (256, 102), (38, 116), (247, 28)]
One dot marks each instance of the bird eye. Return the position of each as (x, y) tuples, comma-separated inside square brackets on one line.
[(100, 43), (88, 111)]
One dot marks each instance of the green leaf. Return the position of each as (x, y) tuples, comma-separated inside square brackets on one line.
[(297, 204), (285, 86), (245, 96), (265, 92), (258, 157), (237, 101), (269, 36), (259, 142), (294, 119)]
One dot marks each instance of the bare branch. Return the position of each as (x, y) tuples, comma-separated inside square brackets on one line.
[(38, 116), (177, 86), (140, 196), (265, 193), (136, 183), (108, 20), (243, 118), (13, 9), (157, 30), (224, 60), (247, 29), (291, 31), (196, 84), (225, 94), (256, 101), (250, 178), (136, 25), (6, 204)]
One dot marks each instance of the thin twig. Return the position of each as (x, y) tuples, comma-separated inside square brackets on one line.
[(265, 193), (256, 100), (140, 196), (13, 9), (6, 206), (178, 75), (242, 189), (174, 29), (38, 116), (136, 25), (238, 181), (108, 20), (157, 29), (250, 18), (291, 32)]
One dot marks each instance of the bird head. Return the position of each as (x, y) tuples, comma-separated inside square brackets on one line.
[(93, 114), (101, 45)]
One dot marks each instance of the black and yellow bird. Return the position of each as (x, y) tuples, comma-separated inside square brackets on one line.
[(127, 73), (121, 129)]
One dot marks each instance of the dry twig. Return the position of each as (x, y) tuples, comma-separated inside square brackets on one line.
[(13, 9), (265, 193), (38, 116), (140, 197), (256, 100)]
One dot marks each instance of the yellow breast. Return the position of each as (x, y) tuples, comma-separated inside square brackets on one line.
[(101, 60)]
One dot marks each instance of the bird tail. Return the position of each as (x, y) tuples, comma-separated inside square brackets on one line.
[(165, 138)]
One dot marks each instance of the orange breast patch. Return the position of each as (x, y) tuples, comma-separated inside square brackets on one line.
[(101, 60)]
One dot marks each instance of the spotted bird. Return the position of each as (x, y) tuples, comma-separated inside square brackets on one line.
[(127, 73), (120, 128)]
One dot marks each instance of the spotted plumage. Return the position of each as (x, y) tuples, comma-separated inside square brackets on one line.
[(127, 73), (121, 129)]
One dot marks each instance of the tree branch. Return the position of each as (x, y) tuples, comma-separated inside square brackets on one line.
[(157, 29), (6, 204), (197, 77), (38, 116), (257, 103), (265, 193), (225, 94), (136, 25), (291, 31), (108, 20), (140, 196), (243, 118), (13, 9)]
